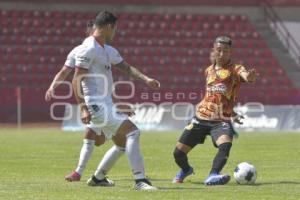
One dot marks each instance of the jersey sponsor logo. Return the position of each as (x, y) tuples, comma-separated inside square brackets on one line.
[(84, 59), (217, 88)]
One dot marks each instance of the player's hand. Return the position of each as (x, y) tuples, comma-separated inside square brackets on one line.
[(85, 115), (252, 75), (126, 109), (153, 84), (49, 94), (238, 119)]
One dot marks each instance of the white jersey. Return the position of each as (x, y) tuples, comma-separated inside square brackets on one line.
[(115, 57), (70, 62), (98, 85)]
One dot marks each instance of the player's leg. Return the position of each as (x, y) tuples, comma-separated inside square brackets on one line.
[(128, 134), (99, 139), (85, 154), (109, 122), (222, 136), (124, 133), (192, 135), (180, 155), (224, 143), (108, 161)]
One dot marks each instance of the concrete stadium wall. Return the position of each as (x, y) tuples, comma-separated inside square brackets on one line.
[(288, 13)]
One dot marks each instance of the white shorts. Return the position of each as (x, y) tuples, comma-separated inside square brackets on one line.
[(105, 118)]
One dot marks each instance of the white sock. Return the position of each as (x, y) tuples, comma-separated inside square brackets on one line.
[(108, 161), (134, 155), (85, 154)]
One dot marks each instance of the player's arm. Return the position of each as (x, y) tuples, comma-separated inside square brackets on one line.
[(248, 76), (136, 74), (59, 77), (79, 75), (83, 60)]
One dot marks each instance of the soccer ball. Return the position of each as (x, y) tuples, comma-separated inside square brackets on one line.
[(245, 173)]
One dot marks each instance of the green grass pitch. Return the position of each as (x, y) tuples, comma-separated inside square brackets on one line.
[(33, 163)]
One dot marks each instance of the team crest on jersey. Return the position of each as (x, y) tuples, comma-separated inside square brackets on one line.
[(223, 73)]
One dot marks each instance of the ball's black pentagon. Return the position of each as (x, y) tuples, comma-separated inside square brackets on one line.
[(249, 176)]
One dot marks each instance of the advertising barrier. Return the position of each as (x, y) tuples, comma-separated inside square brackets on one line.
[(168, 117)]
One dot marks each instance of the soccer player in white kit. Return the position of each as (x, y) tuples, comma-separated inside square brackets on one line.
[(93, 77), (90, 138)]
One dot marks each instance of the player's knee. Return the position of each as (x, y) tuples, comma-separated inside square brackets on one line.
[(134, 134), (99, 140), (90, 134), (99, 143), (178, 154), (223, 139), (225, 148), (127, 127)]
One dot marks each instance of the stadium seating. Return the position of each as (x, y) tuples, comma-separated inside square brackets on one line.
[(174, 48)]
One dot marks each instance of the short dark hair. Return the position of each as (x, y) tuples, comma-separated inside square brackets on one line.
[(105, 18), (89, 27), (90, 24), (223, 40)]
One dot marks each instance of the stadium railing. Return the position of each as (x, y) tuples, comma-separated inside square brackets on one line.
[(282, 32)]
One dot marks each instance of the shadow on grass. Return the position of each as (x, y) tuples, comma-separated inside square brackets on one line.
[(179, 188), (191, 185), (151, 179), (173, 187), (278, 183)]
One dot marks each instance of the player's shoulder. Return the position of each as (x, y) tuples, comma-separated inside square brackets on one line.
[(88, 47), (209, 68), (111, 48), (89, 41), (75, 50), (107, 46), (112, 51), (89, 44)]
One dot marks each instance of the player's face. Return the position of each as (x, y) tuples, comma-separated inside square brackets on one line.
[(222, 53)]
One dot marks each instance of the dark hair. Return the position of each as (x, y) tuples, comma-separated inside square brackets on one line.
[(223, 40), (89, 27), (90, 24), (105, 18)]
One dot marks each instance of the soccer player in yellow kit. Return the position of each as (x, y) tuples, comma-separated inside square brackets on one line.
[(214, 113)]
